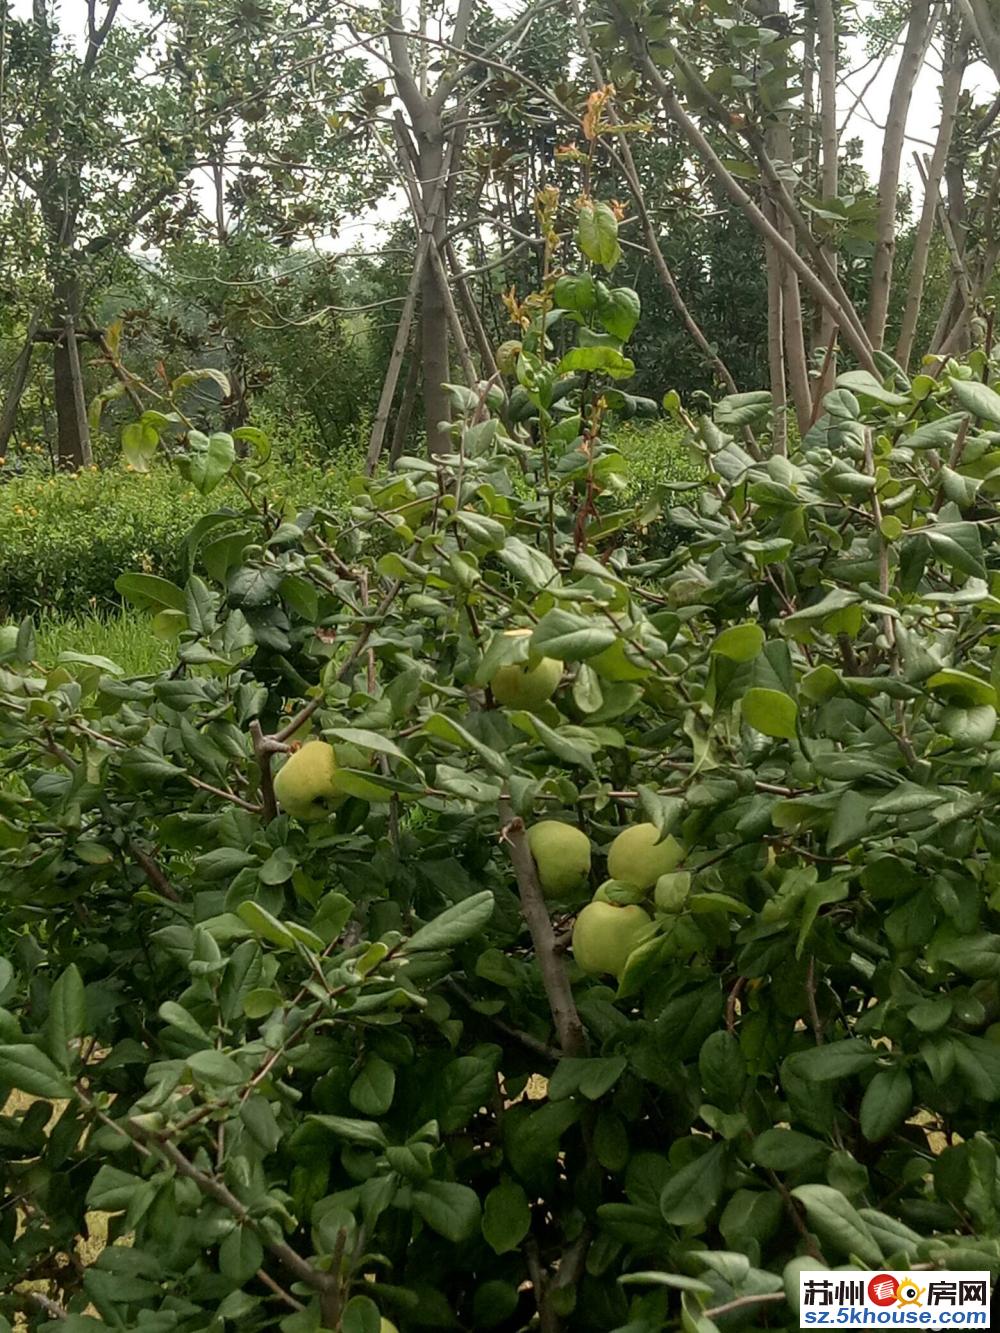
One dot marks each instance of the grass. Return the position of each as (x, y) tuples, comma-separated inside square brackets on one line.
[(125, 637)]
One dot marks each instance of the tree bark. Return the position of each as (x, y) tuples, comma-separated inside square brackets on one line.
[(918, 34), (72, 429), (956, 58)]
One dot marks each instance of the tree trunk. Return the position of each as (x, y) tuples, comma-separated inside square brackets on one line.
[(73, 430), (829, 181), (918, 34), (406, 404), (951, 87), (433, 315), (776, 348)]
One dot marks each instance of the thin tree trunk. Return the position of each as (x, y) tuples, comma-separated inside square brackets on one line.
[(951, 87), (807, 130), (776, 351), (406, 403), (433, 315), (471, 312), (826, 23), (72, 429), (986, 26), (918, 35), (18, 381)]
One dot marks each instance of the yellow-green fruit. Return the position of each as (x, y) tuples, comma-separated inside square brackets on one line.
[(387, 1326), (636, 857), (305, 786), (562, 855), (526, 684), (605, 935), (672, 891)]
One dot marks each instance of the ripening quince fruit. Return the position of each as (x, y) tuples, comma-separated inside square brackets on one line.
[(671, 892), (604, 935), (526, 684), (562, 856), (306, 786), (637, 857), (387, 1326)]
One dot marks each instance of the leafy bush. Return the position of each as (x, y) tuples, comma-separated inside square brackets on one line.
[(67, 538), (325, 1072)]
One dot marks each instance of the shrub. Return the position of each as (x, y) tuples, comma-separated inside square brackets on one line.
[(66, 538), (322, 1072)]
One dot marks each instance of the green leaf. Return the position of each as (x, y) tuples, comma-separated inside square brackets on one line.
[(373, 1089), (527, 563), (606, 360), (139, 442), (693, 1191), (977, 398), (786, 1150), (27, 1069), (740, 643), (506, 1217), (770, 712), (742, 409), (364, 1133), (618, 310), (597, 235), (837, 1059), (360, 1315), (887, 1102), (209, 459), (864, 384), (455, 925), (575, 292), (838, 1224), (722, 1069), (149, 592), (262, 923), (215, 1067), (569, 637), (240, 1255), (67, 1016), (451, 1210)]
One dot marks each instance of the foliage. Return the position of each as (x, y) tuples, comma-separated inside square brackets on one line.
[(68, 537), (299, 1064)]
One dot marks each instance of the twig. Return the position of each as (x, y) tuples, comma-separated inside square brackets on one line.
[(279, 1291), (814, 1018), (525, 1039), (263, 748), (569, 1029), (741, 1302), (51, 1307)]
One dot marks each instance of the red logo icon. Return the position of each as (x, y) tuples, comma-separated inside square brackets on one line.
[(883, 1289)]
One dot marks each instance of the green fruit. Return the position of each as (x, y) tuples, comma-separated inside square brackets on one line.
[(387, 1326), (526, 684), (637, 857), (562, 855), (605, 935), (672, 891), (306, 786)]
